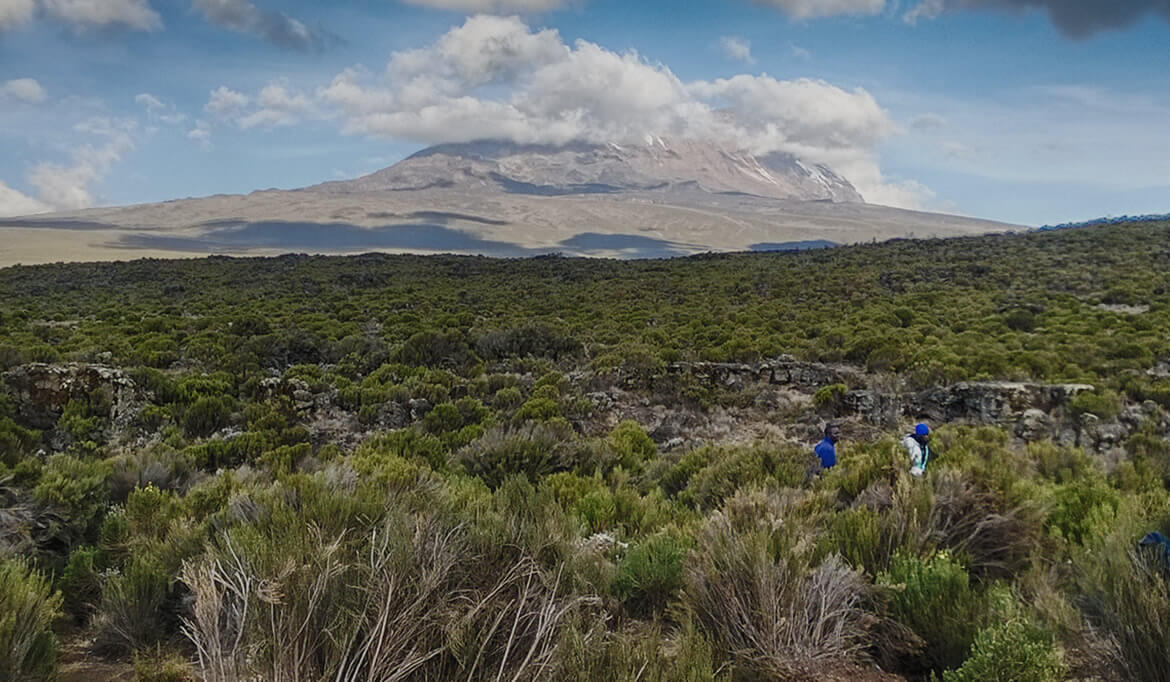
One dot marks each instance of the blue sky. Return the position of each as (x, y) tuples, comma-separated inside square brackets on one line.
[(1028, 111)]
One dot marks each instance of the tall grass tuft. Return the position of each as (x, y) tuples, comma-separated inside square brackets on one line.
[(28, 609)]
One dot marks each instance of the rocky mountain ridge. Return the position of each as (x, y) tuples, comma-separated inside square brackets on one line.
[(581, 168)]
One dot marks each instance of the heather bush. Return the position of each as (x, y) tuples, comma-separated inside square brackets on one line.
[(1010, 651), (132, 614), (1123, 591), (650, 574), (632, 445), (533, 450), (934, 598), (28, 609), (78, 487), (80, 584), (754, 591)]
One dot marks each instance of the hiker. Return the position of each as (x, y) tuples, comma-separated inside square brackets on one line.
[(826, 450), (917, 445)]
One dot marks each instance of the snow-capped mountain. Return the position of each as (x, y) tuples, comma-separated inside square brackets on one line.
[(579, 168)]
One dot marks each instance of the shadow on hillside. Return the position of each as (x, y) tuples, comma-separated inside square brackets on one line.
[(325, 237)]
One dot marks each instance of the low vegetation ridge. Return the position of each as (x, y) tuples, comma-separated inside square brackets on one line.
[(429, 468)]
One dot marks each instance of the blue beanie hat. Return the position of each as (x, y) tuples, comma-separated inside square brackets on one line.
[(922, 430)]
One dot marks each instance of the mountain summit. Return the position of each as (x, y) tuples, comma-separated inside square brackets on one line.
[(657, 164)]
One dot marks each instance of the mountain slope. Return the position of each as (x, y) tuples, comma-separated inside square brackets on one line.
[(658, 199), (658, 164)]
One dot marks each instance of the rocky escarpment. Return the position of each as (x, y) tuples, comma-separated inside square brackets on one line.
[(1030, 410), (780, 398)]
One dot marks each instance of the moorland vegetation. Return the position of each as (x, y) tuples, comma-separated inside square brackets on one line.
[(391, 468)]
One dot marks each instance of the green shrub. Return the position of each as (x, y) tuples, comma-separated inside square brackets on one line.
[(1125, 593), (411, 444), (132, 613), (15, 441), (77, 486), (207, 415), (597, 510), (732, 468), (1074, 505), (860, 537), (934, 598), (1012, 651), (80, 584), (830, 399), (28, 609), (537, 410), (1104, 404), (533, 450), (650, 575), (507, 398), (632, 445)]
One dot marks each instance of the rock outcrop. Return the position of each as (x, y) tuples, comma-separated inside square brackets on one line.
[(41, 392)]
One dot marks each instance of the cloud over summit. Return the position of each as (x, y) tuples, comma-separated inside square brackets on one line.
[(496, 77)]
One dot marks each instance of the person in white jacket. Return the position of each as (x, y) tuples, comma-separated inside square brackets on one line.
[(917, 445)]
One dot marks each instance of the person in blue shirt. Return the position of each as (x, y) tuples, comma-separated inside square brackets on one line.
[(827, 449)]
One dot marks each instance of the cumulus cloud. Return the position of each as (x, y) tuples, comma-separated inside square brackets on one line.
[(737, 48), (69, 186), (226, 103), (201, 133), (492, 6), (82, 14), (814, 9), (24, 89), (275, 27), (13, 13), (275, 105), (1074, 18), (14, 202), (135, 14), (495, 77)]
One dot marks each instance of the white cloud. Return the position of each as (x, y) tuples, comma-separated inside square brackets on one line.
[(226, 103), (275, 105), (737, 48), (14, 203), (158, 110), (24, 89), (135, 14), (275, 27), (491, 6), (495, 77), (927, 9), (813, 9), (13, 13), (149, 101), (201, 133), (68, 187), (799, 52)]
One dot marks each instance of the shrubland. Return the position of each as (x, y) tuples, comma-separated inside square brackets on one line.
[(397, 467)]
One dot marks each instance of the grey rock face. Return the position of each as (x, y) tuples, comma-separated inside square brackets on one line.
[(41, 391), (1034, 424)]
